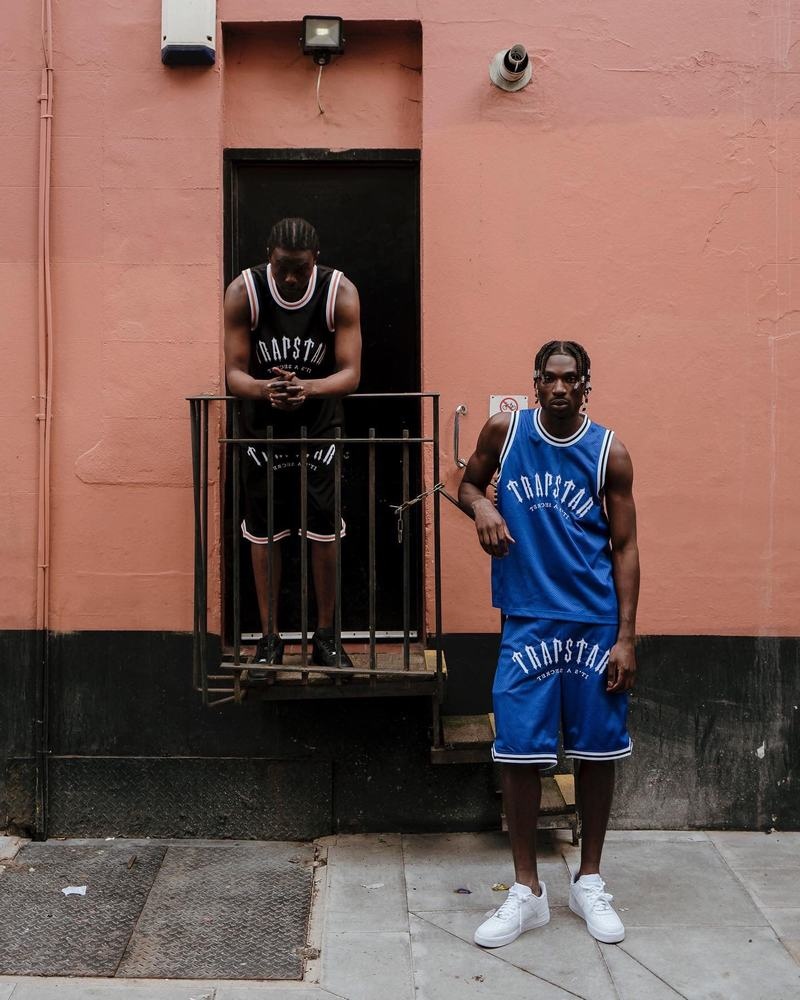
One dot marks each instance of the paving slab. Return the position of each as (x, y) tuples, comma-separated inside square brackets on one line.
[(82, 989), (9, 846), (748, 849), (446, 968), (771, 885), (786, 924), (673, 884), (45, 932), (366, 885), (793, 947), (709, 963), (438, 864), (561, 953), (6, 989), (362, 966), (659, 836), (233, 912), (632, 980), (272, 992)]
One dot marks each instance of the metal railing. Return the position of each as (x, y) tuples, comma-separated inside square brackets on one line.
[(217, 687)]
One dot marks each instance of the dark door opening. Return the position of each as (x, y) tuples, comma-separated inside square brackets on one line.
[(365, 207)]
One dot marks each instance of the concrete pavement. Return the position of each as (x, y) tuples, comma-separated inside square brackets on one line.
[(709, 916)]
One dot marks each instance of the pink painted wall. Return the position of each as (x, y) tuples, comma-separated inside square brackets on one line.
[(640, 196)]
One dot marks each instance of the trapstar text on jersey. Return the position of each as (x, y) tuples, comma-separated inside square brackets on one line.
[(547, 486), (291, 349)]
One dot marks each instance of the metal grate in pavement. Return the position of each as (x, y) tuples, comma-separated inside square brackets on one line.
[(45, 933), (237, 911)]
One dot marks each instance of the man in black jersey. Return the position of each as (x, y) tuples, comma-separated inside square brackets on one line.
[(292, 350)]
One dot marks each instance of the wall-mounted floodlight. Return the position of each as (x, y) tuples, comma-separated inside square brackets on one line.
[(322, 38), (511, 68)]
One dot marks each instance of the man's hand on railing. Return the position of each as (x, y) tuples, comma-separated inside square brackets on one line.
[(287, 392)]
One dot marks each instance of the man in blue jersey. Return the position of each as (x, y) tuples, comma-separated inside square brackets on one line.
[(565, 574)]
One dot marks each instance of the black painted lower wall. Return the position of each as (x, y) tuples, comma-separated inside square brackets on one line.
[(132, 752)]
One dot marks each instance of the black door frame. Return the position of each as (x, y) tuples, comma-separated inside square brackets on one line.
[(236, 156), (233, 156)]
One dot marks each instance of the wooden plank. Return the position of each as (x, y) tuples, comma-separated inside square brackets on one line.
[(562, 821), (552, 799), (566, 784), (430, 662), (466, 730), (461, 755), (491, 723)]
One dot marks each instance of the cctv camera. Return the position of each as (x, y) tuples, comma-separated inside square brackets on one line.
[(511, 68)]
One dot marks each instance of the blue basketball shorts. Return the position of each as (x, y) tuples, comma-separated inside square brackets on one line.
[(551, 676)]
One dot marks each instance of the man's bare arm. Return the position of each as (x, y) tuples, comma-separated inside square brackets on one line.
[(493, 532), (237, 346), (621, 512)]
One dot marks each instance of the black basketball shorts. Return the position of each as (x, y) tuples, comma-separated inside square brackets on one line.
[(286, 510)]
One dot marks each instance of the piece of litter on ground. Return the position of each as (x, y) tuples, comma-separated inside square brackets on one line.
[(75, 890), (464, 892), (110, 838), (372, 885), (500, 887), (31, 870), (761, 751)]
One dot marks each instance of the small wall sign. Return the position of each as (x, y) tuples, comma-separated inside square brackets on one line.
[(507, 404)]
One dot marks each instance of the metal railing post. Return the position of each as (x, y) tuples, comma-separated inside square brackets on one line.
[(437, 575), (270, 531), (236, 459), (304, 553), (203, 614), (406, 560), (194, 413), (337, 514), (373, 652)]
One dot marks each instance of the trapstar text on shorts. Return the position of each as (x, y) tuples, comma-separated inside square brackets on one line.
[(555, 655)]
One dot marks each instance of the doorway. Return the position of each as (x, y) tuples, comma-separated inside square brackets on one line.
[(364, 205)]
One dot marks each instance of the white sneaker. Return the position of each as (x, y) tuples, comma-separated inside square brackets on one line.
[(589, 901), (520, 912)]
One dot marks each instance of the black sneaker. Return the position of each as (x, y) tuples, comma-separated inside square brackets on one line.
[(323, 650), (268, 650)]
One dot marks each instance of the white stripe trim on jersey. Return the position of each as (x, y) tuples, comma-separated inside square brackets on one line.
[(560, 442), (602, 461), (250, 285), (264, 541), (510, 435), (284, 303), (330, 308), (612, 755), (524, 758)]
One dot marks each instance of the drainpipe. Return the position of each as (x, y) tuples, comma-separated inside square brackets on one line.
[(44, 418)]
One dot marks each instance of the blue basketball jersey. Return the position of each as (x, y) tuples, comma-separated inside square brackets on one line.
[(550, 492)]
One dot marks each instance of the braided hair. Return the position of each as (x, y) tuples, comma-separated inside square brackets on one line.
[(571, 349), (293, 234)]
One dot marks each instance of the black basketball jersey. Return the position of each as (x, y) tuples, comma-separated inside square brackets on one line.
[(298, 337)]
